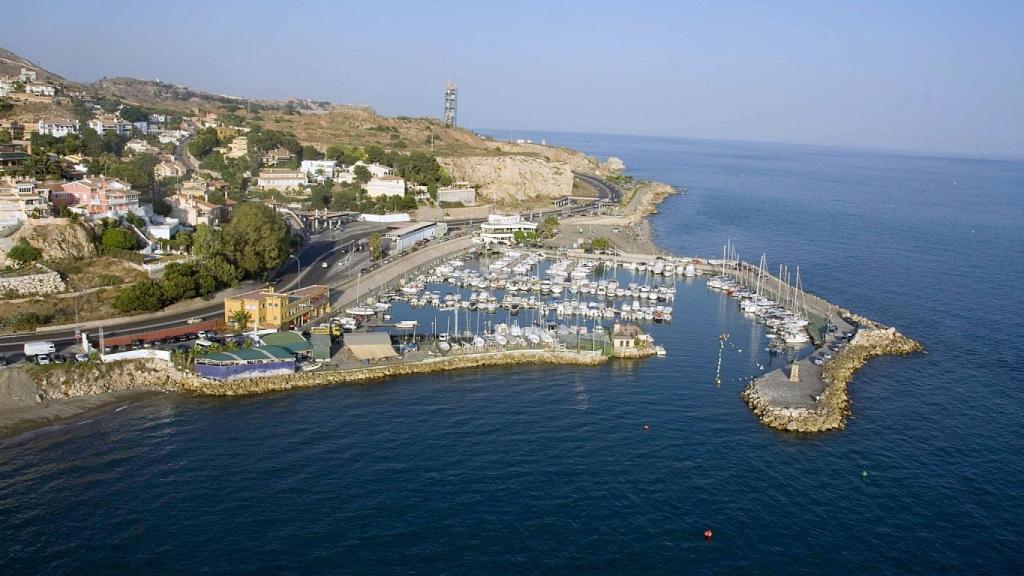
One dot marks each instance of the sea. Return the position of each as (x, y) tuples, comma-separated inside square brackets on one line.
[(618, 468)]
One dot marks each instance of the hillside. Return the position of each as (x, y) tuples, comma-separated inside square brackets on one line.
[(11, 65), (505, 172)]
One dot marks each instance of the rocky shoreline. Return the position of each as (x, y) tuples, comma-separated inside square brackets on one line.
[(833, 404)]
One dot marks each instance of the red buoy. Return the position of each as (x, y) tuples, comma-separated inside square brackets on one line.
[(708, 534)]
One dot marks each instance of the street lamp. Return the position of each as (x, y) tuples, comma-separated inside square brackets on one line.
[(298, 270)]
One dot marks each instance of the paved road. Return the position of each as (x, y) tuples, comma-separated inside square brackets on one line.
[(326, 247), (605, 190)]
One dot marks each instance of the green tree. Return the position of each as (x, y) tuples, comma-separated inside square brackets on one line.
[(205, 240), (362, 174), (5, 136), (375, 245), (182, 241), (178, 282), (256, 240), (548, 227), (145, 296), (119, 238), (24, 252), (134, 114), (241, 319), (203, 143), (311, 153), (600, 244), (375, 154)]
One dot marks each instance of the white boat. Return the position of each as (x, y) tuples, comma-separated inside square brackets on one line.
[(406, 324), (660, 351)]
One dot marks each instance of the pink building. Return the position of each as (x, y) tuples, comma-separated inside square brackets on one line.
[(100, 196)]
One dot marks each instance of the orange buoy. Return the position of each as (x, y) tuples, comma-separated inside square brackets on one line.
[(708, 534)]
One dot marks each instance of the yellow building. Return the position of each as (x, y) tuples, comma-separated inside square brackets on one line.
[(279, 310)]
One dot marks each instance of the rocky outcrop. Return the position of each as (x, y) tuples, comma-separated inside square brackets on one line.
[(833, 404), (508, 179), (57, 238), (613, 165)]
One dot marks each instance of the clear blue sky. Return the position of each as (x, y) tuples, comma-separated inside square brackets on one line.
[(919, 75)]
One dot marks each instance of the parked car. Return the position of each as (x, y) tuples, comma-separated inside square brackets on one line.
[(81, 357), (42, 360)]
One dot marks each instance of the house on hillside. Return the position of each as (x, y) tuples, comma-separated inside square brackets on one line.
[(20, 200), (57, 127), (280, 179), (101, 196), (169, 168), (40, 89), (106, 124), (318, 170), (140, 147), (192, 211), (277, 156)]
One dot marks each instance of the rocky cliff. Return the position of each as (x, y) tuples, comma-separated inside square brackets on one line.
[(506, 179)]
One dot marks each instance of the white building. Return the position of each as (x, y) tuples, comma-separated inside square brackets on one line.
[(386, 186), (376, 170), (501, 229), (110, 124), (466, 195), (27, 75), (19, 201), (58, 128), (318, 170), (280, 179), (140, 147), (40, 89), (407, 236)]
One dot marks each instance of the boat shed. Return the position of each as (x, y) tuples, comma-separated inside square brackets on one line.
[(370, 345), (246, 363)]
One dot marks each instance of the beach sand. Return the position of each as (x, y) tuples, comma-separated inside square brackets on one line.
[(21, 408)]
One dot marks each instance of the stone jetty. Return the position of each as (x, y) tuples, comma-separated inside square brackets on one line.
[(92, 379), (817, 399)]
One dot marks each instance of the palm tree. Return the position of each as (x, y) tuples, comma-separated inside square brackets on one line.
[(240, 318)]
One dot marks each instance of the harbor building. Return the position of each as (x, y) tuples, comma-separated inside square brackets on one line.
[(407, 236), (269, 309), (246, 363), (501, 229)]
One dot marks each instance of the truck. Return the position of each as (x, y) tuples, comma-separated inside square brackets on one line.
[(39, 348)]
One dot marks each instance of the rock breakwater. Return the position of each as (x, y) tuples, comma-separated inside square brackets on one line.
[(832, 406)]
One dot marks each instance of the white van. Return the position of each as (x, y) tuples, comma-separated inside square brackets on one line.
[(38, 348)]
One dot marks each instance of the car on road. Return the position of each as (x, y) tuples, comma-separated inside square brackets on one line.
[(81, 357), (42, 359), (194, 320), (323, 264)]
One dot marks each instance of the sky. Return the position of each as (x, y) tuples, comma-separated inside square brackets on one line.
[(930, 76)]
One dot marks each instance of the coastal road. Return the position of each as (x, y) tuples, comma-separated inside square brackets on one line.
[(329, 247), (605, 190)]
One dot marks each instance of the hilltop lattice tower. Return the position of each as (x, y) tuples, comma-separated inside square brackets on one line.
[(449, 105)]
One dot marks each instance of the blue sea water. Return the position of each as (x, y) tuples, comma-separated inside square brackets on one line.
[(548, 469)]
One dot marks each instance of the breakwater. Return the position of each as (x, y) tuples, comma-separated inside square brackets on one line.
[(821, 401), (73, 382)]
